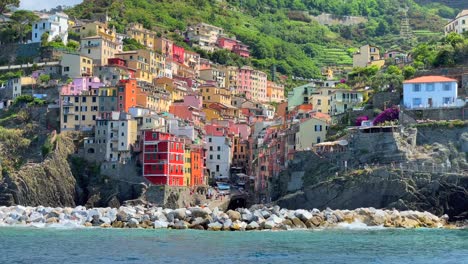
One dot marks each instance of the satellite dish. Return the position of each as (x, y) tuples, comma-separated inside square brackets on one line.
[(343, 142)]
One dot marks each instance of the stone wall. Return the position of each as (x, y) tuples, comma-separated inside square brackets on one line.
[(438, 114), (385, 100), (330, 19), (168, 196)]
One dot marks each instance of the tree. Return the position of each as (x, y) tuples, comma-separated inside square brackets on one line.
[(4, 4), (408, 72), (44, 39), (44, 78), (73, 45), (21, 21)]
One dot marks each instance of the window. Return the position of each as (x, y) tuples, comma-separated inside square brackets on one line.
[(83, 117), (77, 99), (319, 102), (219, 148), (209, 139), (416, 87), (76, 118), (447, 87), (84, 99), (446, 100), (218, 157), (417, 101), (94, 99), (430, 87), (211, 157), (217, 168)]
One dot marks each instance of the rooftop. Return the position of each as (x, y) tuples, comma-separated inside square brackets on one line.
[(430, 79)]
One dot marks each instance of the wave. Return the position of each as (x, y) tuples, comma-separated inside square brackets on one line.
[(358, 225)]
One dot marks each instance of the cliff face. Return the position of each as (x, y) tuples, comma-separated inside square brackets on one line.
[(404, 170), (436, 193), (49, 183)]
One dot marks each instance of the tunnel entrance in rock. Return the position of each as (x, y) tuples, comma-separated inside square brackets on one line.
[(238, 202)]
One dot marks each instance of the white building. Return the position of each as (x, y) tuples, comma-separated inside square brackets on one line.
[(14, 86), (115, 136), (430, 92), (218, 156), (55, 24), (459, 24), (204, 35)]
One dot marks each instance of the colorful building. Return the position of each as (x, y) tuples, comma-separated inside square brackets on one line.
[(99, 48), (75, 65), (127, 93), (275, 92), (178, 53), (197, 159), (367, 56), (56, 25), (252, 83), (163, 158)]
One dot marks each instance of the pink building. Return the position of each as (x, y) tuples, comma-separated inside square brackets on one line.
[(227, 43), (253, 83), (241, 50), (178, 53), (78, 85), (189, 109)]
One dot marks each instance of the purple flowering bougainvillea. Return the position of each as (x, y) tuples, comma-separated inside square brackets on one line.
[(389, 114), (360, 119)]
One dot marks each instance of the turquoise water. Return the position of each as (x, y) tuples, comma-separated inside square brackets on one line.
[(29, 245)]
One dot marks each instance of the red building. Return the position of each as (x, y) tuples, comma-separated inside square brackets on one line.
[(178, 53), (117, 62), (163, 158), (241, 50), (197, 155), (227, 43)]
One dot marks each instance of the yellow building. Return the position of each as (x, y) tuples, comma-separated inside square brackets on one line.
[(214, 94), (321, 99), (177, 90), (217, 103), (142, 35), (95, 29), (99, 48), (367, 56), (230, 77), (75, 65), (275, 92), (187, 165), (312, 131), (143, 61), (78, 112)]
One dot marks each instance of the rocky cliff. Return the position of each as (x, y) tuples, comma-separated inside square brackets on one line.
[(49, 183), (407, 169)]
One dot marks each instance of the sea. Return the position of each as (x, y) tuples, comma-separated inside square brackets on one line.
[(342, 245)]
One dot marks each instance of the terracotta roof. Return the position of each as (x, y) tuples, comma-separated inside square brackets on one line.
[(430, 79)]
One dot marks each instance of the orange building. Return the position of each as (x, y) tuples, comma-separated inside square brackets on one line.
[(127, 93), (197, 161)]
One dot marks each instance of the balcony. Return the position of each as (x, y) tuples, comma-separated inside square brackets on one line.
[(68, 112)]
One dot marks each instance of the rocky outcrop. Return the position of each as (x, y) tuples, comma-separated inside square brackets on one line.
[(49, 183), (430, 174), (436, 193)]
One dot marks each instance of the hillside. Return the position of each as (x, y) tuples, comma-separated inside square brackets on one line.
[(281, 33)]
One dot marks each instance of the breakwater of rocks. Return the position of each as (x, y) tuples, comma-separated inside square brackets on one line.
[(258, 217)]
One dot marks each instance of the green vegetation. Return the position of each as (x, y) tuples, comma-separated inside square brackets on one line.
[(279, 32), (10, 75), (443, 124), (18, 28), (132, 44), (28, 100), (450, 51)]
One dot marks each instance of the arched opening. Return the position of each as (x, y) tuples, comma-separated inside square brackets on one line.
[(91, 150), (238, 202)]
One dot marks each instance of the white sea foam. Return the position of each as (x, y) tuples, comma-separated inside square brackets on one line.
[(357, 225)]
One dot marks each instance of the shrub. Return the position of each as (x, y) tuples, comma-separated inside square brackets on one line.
[(389, 114), (360, 119)]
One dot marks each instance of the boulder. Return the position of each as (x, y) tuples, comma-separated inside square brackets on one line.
[(122, 216), (233, 215), (238, 225), (105, 220), (304, 215), (180, 225), (105, 225), (252, 226), (158, 224), (111, 214), (198, 212), (227, 224), (315, 221), (52, 220), (269, 224), (197, 227), (288, 222), (298, 223), (36, 217), (133, 223), (87, 224), (118, 224), (179, 213), (247, 217), (216, 226)]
